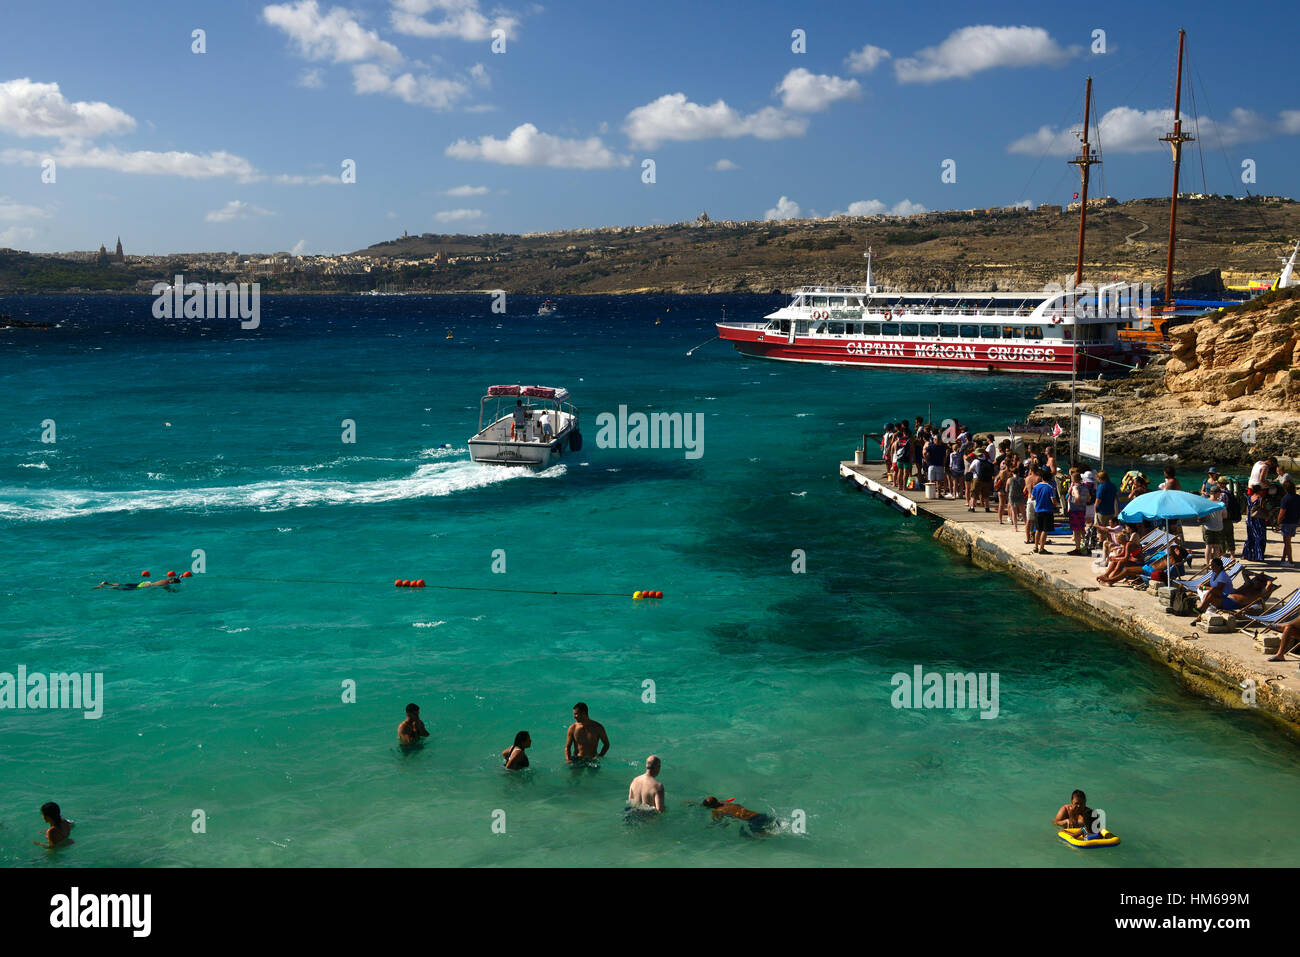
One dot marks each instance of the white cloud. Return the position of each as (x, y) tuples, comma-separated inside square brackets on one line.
[(298, 248), (312, 79), (874, 207), (785, 208), (1127, 130), (527, 146), (15, 211), (335, 36), (724, 166), (298, 179), (14, 235), (460, 19), (465, 191), (457, 215), (807, 92), (235, 209), (39, 109), (422, 90), (146, 162), (971, 49), (673, 117), (479, 74), (866, 59)]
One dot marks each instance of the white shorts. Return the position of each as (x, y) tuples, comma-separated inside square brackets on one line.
[(935, 473)]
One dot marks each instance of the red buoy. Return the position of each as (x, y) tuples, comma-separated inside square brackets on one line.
[(419, 583), (187, 574), (144, 574), (171, 574), (397, 584)]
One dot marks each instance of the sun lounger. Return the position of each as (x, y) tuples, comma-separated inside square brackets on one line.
[(1282, 613)]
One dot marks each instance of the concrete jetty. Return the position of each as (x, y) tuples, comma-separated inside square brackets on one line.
[(1229, 666)]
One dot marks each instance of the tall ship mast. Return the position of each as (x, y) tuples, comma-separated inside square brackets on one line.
[(1176, 138), (1087, 158)]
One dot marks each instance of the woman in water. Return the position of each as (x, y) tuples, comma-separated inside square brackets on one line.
[(514, 757)]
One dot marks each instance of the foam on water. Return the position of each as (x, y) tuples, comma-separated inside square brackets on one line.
[(429, 481)]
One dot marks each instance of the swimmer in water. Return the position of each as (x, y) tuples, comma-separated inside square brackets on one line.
[(1075, 814), (171, 579), (758, 823), (584, 734), (412, 729), (514, 756), (646, 794), (57, 834)]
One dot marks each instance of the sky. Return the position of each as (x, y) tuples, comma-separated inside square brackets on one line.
[(461, 116)]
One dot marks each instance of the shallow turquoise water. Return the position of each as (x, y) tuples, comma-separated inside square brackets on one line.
[(770, 687)]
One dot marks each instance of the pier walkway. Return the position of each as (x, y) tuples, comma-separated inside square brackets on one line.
[(1229, 666)]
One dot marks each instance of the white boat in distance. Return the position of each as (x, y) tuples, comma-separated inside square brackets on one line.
[(547, 308), (533, 430)]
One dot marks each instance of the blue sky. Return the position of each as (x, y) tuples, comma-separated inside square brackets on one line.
[(240, 147)]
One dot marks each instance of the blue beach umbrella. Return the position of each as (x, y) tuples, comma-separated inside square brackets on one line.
[(1168, 505)]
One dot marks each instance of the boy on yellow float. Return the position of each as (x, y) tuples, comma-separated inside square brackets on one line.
[(1075, 814)]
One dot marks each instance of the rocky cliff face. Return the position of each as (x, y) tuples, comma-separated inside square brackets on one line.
[(1227, 392)]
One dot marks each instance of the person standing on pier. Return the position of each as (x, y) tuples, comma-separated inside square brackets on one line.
[(1016, 491), (1045, 501), (934, 462), (1256, 525), (1288, 518), (1212, 528)]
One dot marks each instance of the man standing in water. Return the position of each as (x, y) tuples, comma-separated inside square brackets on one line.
[(646, 793), (584, 734), (412, 729)]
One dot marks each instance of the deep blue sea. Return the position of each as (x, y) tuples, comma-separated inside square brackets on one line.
[(224, 701)]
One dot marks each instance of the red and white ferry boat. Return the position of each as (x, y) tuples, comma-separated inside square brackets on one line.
[(1044, 333), (1051, 332)]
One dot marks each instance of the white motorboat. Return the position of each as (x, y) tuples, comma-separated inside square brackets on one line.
[(530, 425), (547, 308)]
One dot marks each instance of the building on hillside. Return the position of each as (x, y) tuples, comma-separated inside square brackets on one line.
[(103, 257)]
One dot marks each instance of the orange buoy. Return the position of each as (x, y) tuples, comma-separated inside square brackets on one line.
[(399, 583), (419, 583), (659, 594), (187, 574), (144, 574), (171, 574)]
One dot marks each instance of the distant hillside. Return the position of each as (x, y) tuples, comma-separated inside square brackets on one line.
[(1002, 249)]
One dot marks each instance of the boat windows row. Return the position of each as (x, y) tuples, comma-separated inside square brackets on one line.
[(913, 330)]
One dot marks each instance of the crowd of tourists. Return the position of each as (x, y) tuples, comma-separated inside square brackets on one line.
[(1029, 488)]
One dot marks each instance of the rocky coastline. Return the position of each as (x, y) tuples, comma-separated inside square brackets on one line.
[(1226, 392)]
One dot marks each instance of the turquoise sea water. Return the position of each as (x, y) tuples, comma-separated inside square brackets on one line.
[(770, 687)]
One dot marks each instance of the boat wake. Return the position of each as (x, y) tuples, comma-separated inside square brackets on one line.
[(431, 480)]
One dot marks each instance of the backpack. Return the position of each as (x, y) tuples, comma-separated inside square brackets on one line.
[(1182, 602), (1230, 500), (1091, 539), (983, 469)]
